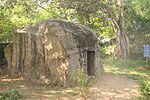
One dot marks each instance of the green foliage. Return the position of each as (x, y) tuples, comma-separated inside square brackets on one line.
[(84, 81), (145, 90), (6, 26), (90, 13), (10, 94), (137, 25), (137, 16), (22, 13)]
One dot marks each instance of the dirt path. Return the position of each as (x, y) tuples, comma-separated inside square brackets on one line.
[(116, 87), (110, 87)]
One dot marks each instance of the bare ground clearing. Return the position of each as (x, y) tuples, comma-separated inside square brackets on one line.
[(109, 87)]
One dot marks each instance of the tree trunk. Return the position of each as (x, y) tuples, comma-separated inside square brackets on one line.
[(122, 49), (123, 38)]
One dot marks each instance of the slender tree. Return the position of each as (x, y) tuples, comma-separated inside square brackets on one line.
[(118, 23)]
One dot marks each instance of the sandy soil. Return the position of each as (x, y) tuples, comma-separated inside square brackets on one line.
[(109, 87), (116, 87)]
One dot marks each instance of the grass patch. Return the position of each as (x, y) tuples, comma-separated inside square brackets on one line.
[(136, 70), (10, 94), (83, 81), (145, 90)]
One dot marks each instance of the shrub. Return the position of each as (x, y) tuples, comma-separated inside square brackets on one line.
[(10, 94), (84, 81), (145, 90)]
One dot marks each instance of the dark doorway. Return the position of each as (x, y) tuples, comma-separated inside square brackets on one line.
[(90, 63), (2, 55)]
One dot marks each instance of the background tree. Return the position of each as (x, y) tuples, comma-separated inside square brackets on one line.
[(108, 18), (6, 25), (137, 21)]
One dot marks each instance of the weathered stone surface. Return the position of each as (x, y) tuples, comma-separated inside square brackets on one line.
[(52, 50)]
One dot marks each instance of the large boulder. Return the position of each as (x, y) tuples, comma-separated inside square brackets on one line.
[(52, 50)]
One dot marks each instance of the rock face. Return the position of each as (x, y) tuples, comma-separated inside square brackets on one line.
[(52, 50)]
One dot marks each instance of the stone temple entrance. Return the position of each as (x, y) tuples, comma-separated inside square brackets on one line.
[(90, 63)]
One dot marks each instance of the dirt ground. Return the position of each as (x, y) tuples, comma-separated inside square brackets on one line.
[(117, 87), (109, 87)]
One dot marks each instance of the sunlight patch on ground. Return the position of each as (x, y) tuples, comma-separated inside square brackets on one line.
[(110, 69), (124, 70), (138, 73), (4, 79), (54, 92)]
